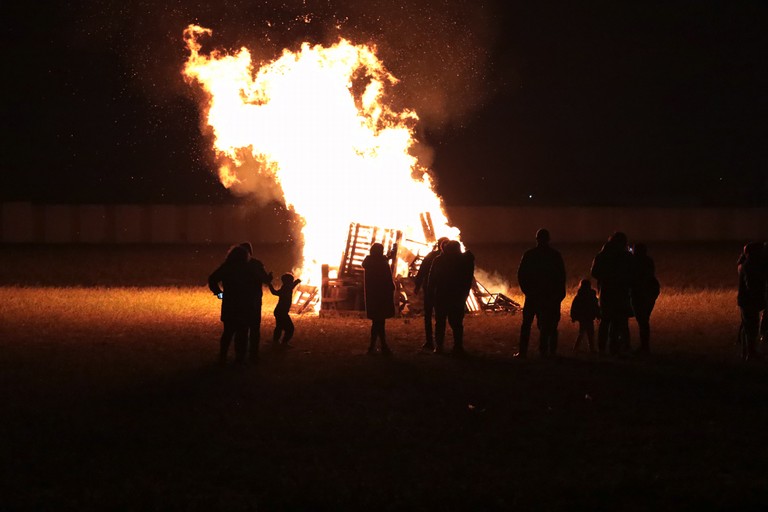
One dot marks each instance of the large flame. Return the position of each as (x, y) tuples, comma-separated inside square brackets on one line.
[(317, 120)]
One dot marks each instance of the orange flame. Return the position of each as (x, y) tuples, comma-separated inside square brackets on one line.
[(317, 122)]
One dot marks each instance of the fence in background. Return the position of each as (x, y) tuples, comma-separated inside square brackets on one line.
[(223, 224)]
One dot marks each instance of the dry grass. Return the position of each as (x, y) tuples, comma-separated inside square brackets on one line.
[(110, 400)]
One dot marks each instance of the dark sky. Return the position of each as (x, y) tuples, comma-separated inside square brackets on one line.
[(542, 103)]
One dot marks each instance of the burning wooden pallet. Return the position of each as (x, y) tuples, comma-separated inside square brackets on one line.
[(343, 295), (341, 291), (480, 299)]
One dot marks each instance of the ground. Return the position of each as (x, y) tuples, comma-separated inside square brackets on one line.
[(110, 398)]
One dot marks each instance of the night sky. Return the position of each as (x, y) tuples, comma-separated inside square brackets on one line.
[(522, 103)]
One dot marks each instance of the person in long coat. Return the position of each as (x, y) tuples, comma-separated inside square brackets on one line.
[(237, 300), (751, 298), (379, 291), (612, 267), (420, 282), (449, 283), (644, 292), (541, 276)]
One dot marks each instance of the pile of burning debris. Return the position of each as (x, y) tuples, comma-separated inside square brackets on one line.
[(341, 290)]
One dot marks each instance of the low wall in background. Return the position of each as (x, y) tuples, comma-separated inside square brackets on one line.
[(224, 224)]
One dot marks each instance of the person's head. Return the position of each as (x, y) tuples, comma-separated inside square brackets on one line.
[(585, 284), (618, 240), (440, 242), (237, 254), (377, 249), (452, 247), (641, 250), (287, 279), (542, 236), (752, 250), (248, 248)]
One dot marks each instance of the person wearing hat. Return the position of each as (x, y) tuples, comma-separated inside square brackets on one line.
[(541, 276)]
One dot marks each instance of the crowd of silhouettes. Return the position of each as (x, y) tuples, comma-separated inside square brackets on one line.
[(626, 287)]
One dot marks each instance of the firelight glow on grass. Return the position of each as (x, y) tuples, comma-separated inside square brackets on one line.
[(702, 322)]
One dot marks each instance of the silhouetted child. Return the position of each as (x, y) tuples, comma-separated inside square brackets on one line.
[(585, 309), (283, 322)]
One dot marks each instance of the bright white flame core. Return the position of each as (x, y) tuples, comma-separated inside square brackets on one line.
[(317, 122)]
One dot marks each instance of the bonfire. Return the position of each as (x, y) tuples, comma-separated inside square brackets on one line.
[(317, 125)]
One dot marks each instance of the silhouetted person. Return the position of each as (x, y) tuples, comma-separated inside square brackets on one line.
[(541, 276), (584, 310), (449, 283), (283, 322), (751, 298), (379, 295), (240, 285), (429, 302), (612, 267), (254, 324), (764, 321), (644, 292)]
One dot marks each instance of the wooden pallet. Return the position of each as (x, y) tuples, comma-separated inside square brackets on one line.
[(304, 296)]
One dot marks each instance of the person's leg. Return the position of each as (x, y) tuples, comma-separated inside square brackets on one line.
[(751, 321), (288, 328), (429, 308), (553, 320), (241, 343), (553, 337), (278, 330), (440, 318), (226, 339), (623, 334), (582, 332), (644, 327), (383, 337), (544, 323), (456, 321), (603, 333), (525, 329), (589, 328), (254, 334), (374, 335)]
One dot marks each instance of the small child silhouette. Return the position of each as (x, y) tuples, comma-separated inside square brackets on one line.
[(585, 309), (283, 322)]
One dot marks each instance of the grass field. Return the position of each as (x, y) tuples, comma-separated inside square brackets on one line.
[(111, 400)]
